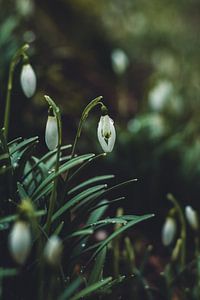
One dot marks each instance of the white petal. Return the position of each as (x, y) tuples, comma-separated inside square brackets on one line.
[(53, 250), (51, 133), (191, 217), (168, 231), (28, 80), (20, 241), (102, 141), (111, 140)]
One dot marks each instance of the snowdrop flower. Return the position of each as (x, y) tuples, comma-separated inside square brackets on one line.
[(120, 61), (191, 217), (51, 133), (53, 250), (106, 133), (20, 241), (168, 231), (28, 80)]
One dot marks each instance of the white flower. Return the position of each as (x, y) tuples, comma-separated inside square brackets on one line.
[(191, 217), (20, 241), (51, 133), (28, 80), (106, 133), (168, 231), (120, 61), (53, 250)]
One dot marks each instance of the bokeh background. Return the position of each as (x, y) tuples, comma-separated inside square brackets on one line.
[(143, 57)]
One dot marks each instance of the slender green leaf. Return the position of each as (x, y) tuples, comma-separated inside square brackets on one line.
[(72, 202), (45, 158), (71, 288), (90, 181), (97, 270), (90, 290), (136, 219), (67, 166), (23, 144), (22, 193), (7, 272)]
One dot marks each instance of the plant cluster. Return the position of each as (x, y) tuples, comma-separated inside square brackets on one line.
[(51, 219)]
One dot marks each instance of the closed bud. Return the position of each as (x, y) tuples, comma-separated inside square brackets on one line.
[(20, 241), (168, 231), (192, 218), (53, 250), (28, 80), (51, 133), (106, 133)]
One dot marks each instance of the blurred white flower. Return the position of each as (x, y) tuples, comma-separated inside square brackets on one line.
[(25, 7), (168, 231), (28, 80), (101, 235), (51, 133), (191, 216), (53, 250), (160, 95), (120, 61), (20, 241), (106, 133)]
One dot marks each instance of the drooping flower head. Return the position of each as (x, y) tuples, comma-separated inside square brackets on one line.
[(106, 133), (28, 80), (51, 132), (192, 218), (53, 250), (20, 241), (168, 231)]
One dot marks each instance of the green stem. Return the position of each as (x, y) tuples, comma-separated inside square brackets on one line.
[(15, 60), (171, 198), (91, 105)]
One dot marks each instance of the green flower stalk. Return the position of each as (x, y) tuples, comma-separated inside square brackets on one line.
[(180, 214), (56, 112), (20, 53)]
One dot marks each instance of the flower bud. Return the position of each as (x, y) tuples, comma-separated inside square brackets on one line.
[(53, 250), (106, 133), (191, 216), (20, 241), (28, 80), (51, 133), (168, 231)]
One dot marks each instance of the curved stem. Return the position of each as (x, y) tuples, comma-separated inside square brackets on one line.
[(13, 64), (91, 105), (171, 198)]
